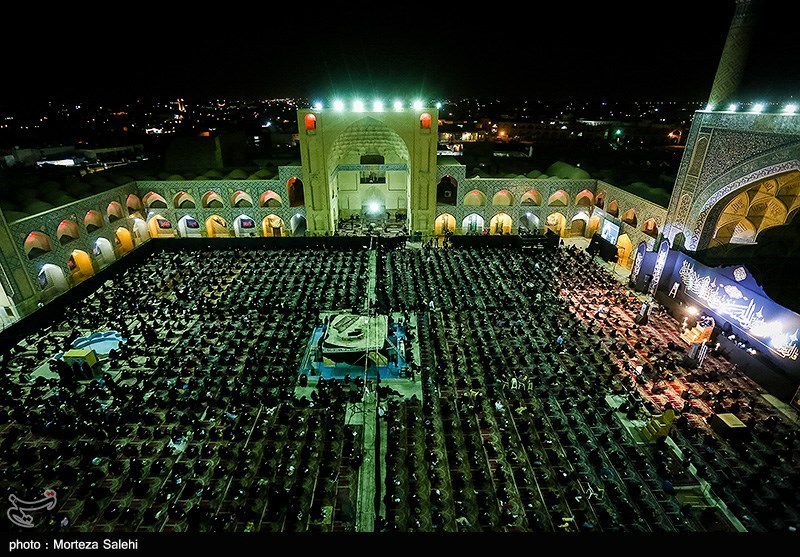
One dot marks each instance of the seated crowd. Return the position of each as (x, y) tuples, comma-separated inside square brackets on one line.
[(535, 380), (530, 364), (193, 426)]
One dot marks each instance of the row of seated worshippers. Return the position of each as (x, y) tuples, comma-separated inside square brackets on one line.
[(515, 406), (193, 423), (454, 278)]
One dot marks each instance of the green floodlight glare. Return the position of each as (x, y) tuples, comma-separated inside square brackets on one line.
[(398, 106), (790, 109), (377, 105), (732, 107), (358, 105), (758, 108), (338, 105), (317, 106), (438, 106), (417, 105)]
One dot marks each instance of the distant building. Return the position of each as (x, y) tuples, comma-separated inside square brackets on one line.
[(114, 154), (29, 157)]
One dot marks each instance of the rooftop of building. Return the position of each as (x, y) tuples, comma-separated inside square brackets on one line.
[(25, 192), (651, 182)]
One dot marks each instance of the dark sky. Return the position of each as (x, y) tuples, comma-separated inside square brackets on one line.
[(568, 50)]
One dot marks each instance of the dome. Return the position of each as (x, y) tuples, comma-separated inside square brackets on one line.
[(49, 186), (567, 171), (95, 180), (213, 174), (60, 199), (78, 189), (12, 216), (262, 174), (120, 179), (36, 207), (646, 191), (238, 174)]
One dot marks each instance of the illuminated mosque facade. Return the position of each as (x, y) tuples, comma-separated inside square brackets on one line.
[(740, 176)]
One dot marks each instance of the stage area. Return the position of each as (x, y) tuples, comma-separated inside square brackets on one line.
[(357, 345)]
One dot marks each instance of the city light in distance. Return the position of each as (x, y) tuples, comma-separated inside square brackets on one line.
[(338, 105)]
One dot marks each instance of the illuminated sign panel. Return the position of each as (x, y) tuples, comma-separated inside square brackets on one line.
[(740, 300), (610, 231)]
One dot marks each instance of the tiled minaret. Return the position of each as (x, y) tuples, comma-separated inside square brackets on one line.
[(734, 56)]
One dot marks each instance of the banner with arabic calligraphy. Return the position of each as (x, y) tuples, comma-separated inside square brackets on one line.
[(638, 260), (661, 262), (732, 294)]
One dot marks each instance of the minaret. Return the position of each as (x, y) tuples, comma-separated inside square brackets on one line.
[(734, 56)]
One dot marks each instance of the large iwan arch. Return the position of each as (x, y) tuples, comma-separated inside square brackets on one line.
[(747, 212), (706, 187), (391, 153), (358, 187)]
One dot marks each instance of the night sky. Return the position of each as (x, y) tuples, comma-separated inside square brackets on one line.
[(570, 50)]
